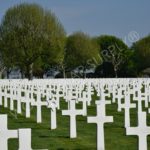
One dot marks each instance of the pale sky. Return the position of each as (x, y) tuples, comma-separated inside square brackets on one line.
[(126, 19)]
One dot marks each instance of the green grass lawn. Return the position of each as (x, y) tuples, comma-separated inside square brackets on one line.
[(58, 139)]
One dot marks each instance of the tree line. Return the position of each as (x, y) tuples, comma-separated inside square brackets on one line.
[(34, 40)]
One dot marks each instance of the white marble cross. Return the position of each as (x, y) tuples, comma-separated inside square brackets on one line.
[(72, 112), (12, 94), (140, 96), (5, 134), (127, 105), (147, 92), (18, 98), (11, 99), (100, 120), (142, 131), (119, 96), (39, 103), (90, 92), (53, 105), (139, 99), (26, 99), (1, 95), (25, 139), (70, 94), (114, 93), (84, 99), (5, 97), (58, 95)]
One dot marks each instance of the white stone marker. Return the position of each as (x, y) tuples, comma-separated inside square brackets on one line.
[(38, 103), (90, 92), (69, 95), (27, 101), (25, 139), (58, 96), (18, 98), (139, 96), (53, 105), (127, 106), (142, 131), (1, 95), (114, 93), (5, 97), (100, 120), (84, 99), (139, 100), (11, 99), (72, 112), (5, 134), (119, 96)]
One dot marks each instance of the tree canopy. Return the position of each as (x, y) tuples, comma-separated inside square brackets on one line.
[(142, 53), (113, 50), (28, 32), (33, 40), (81, 51)]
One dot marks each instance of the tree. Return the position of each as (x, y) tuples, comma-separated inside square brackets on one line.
[(113, 50), (2, 66), (142, 53), (129, 67), (81, 51), (29, 33)]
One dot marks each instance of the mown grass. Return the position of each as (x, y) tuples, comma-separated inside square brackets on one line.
[(45, 138)]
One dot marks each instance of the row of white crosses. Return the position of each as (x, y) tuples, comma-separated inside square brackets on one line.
[(24, 135), (36, 90), (123, 90), (134, 88), (79, 90)]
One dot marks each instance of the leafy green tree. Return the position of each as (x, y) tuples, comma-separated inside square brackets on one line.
[(2, 66), (142, 53), (29, 33), (114, 51), (129, 67), (81, 51)]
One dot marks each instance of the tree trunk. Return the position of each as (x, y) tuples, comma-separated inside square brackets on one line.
[(29, 73), (2, 73), (115, 70), (64, 73), (22, 75), (84, 72), (7, 73)]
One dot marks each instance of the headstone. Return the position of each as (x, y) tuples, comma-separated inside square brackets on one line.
[(72, 112), (1, 95), (18, 100), (11, 99), (25, 139), (39, 103), (5, 134), (142, 131), (53, 105), (127, 105), (84, 99), (5, 97), (119, 96), (100, 120), (27, 101)]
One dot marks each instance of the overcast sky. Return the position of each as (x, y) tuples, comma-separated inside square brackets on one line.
[(126, 19)]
